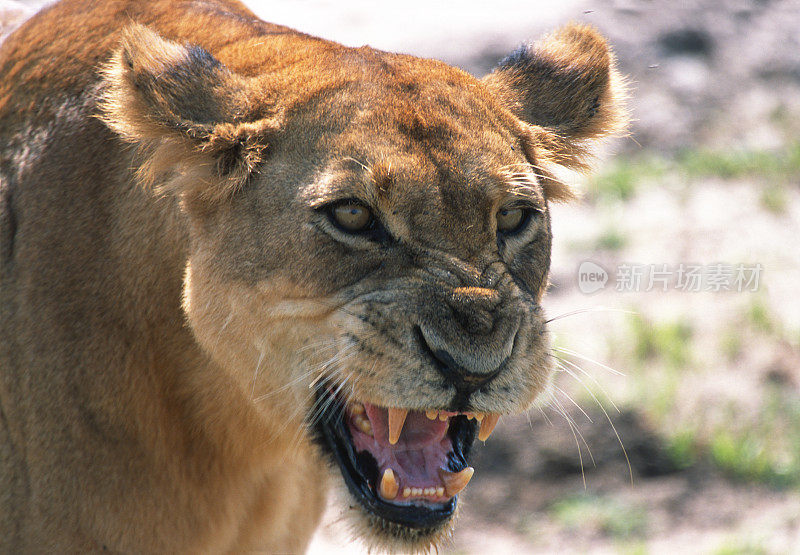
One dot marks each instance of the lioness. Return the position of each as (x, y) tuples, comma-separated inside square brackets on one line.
[(240, 263)]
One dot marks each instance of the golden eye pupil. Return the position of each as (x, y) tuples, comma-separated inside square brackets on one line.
[(509, 219), (352, 217)]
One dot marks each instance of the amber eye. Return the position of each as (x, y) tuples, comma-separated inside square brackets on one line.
[(510, 219), (351, 216)]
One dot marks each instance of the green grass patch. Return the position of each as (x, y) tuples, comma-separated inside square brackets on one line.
[(611, 517), (758, 315), (621, 179), (766, 450), (730, 343), (682, 448), (739, 547), (773, 198), (733, 163), (667, 341), (610, 239)]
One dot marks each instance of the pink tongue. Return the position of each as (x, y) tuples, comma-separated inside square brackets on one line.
[(418, 454)]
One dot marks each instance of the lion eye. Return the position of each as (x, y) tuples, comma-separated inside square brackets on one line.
[(352, 217), (510, 219)]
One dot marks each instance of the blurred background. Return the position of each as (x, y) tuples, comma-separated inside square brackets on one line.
[(674, 425)]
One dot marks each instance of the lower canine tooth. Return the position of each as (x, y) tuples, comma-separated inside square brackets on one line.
[(389, 486), (454, 482), (487, 426)]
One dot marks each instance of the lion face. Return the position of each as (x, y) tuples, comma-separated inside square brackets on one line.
[(369, 251)]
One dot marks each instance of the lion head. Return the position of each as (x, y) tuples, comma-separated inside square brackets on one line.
[(370, 239)]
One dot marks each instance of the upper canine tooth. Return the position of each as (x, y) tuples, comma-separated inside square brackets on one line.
[(396, 419), (389, 486), (431, 414), (454, 482), (487, 426)]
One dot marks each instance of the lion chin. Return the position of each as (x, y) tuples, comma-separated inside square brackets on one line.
[(232, 254)]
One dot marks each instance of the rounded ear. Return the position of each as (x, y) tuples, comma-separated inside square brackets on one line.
[(567, 88), (187, 111)]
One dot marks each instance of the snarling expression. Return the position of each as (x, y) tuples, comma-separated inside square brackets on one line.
[(371, 244)]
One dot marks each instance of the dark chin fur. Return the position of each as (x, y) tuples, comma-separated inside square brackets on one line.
[(380, 535)]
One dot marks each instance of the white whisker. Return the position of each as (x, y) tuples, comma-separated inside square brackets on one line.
[(585, 373), (255, 374), (587, 359)]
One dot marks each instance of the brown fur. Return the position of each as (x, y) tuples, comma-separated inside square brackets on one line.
[(170, 289)]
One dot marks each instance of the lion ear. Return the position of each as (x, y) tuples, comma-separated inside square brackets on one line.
[(187, 111), (567, 88)]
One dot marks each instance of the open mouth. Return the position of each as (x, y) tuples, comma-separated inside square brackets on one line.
[(404, 466)]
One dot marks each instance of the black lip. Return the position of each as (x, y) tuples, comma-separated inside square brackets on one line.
[(335, 436)]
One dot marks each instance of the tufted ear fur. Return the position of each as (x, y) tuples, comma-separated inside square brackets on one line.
[(187, 112), (567, 89)]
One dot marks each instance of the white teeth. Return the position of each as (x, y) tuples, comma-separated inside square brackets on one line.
[(389, 486), (454, 482), (362, 423), (433, 491), (396, 419), (487, 426)]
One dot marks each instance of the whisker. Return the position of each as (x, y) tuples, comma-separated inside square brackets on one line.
[(544, 414), (587, 359), (255, 374), (571, 425), (585, 373), (585, 310), (577, 430), (602, 408), (571, 400)]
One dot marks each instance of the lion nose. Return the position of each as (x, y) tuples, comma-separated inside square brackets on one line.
[(468, 362), (473, 308)]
